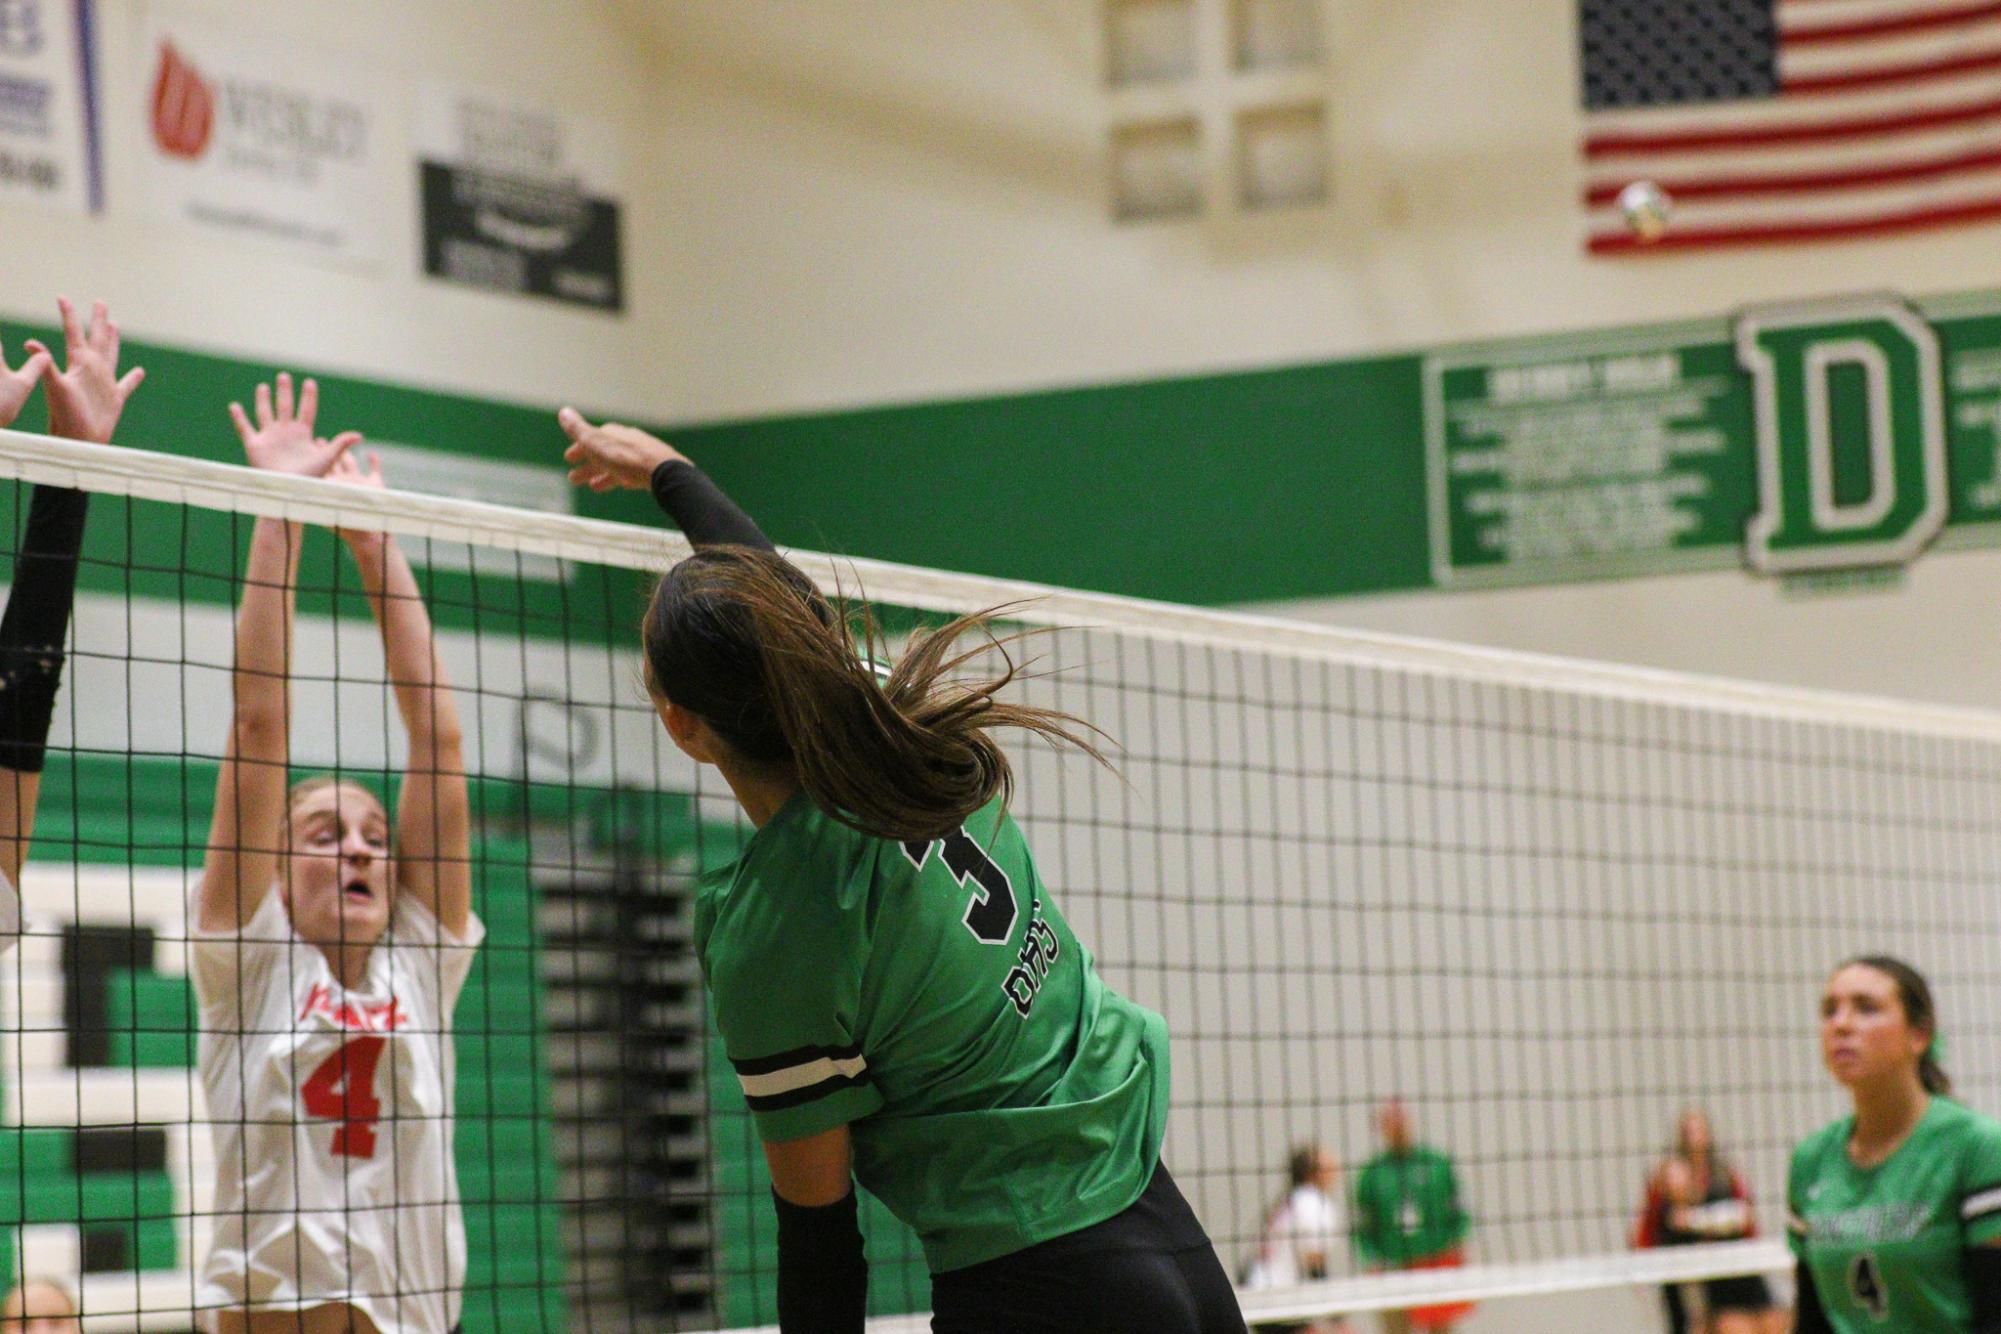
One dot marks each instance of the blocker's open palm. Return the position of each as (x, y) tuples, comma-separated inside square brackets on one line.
[(87, 396), (282, 439)]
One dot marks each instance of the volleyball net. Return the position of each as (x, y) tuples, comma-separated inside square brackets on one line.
[(1546, 906)]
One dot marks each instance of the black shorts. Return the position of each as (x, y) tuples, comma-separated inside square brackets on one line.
[(1148, 1270), (1740, 1292)]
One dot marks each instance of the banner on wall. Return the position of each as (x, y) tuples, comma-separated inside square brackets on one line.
[(518, 198), (1841, 434), (49, 143), (244, 138)]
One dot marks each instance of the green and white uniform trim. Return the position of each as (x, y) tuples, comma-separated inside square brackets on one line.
[(795, 1078), (930, 996), (1886, 1245)]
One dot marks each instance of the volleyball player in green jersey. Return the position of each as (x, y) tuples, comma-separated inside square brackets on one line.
[(902, 1002), (1896, 1209)]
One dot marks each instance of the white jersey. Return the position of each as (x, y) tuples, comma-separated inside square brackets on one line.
[(10, 914), (331, 1115), (1309, 1223)]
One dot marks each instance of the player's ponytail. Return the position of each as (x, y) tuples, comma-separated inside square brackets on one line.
[(743, 640), (1916, 996)]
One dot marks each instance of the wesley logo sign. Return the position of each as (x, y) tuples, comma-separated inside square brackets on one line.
[(183, 106), (244, 139)]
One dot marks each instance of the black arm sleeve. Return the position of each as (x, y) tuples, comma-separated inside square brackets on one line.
[(699, 508), (822, 1274), (1808, 1317), (37, 622), (1983, 1288)]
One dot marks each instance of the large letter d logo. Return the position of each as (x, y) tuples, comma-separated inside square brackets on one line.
[(1849, 402)]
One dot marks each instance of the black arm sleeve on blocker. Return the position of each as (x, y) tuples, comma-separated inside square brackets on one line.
[(822, 1273), (1983, 1288), (699, 508), (36, 624), (1808, 1317)]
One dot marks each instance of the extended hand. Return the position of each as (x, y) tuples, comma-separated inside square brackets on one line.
[(86, 399), (349, 469), (16, 386), (283, 439), (607, 457)]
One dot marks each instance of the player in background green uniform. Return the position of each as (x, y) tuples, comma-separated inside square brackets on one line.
[(902, 1001), (1408, 1214), (1895, 1210)]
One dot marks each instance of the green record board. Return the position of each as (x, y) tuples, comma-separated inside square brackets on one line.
[(1655, 450)]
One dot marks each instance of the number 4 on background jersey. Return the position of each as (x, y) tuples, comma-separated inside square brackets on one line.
[(1865, 1286)]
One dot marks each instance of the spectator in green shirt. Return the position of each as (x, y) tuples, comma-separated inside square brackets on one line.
[(1408, 1216)]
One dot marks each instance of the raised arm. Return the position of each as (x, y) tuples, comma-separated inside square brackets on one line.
[(433, 814), (85, 400), (244, 836), (608, 457)]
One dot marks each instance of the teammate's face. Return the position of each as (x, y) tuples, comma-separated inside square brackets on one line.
[(335, 874), (1865, 1035), (1395, 1125), (1695, 1136), (39, 1308)]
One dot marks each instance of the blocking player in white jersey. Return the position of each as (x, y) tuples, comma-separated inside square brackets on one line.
[(85, 400), (327, 960)]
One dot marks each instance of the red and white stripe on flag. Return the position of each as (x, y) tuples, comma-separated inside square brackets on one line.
[(1886, 118)]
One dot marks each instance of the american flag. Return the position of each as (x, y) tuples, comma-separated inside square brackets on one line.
[(1781, 121)]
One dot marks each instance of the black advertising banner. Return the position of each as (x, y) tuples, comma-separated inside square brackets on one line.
[(518, 199)]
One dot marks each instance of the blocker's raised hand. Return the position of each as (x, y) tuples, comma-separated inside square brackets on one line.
[(283, 439), (17, 385), (87, 396), (610, 456), (350, 470)]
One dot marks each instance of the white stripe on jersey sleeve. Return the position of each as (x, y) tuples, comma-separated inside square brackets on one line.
[(804, 1075), (1981, 1202)]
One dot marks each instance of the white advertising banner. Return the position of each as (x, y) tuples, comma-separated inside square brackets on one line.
[(49, 143), (244, 137)]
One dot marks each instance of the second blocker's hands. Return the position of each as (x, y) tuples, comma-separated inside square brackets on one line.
[(87, 397), (16, 386), (283, 439), (350, 470), (611, 456)]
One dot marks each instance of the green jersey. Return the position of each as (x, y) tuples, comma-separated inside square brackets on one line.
[(1885, 1244), (1407, 1208), (930, 997)]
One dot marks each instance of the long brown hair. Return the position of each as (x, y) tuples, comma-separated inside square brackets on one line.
[(742, 639), (1915, 994)]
